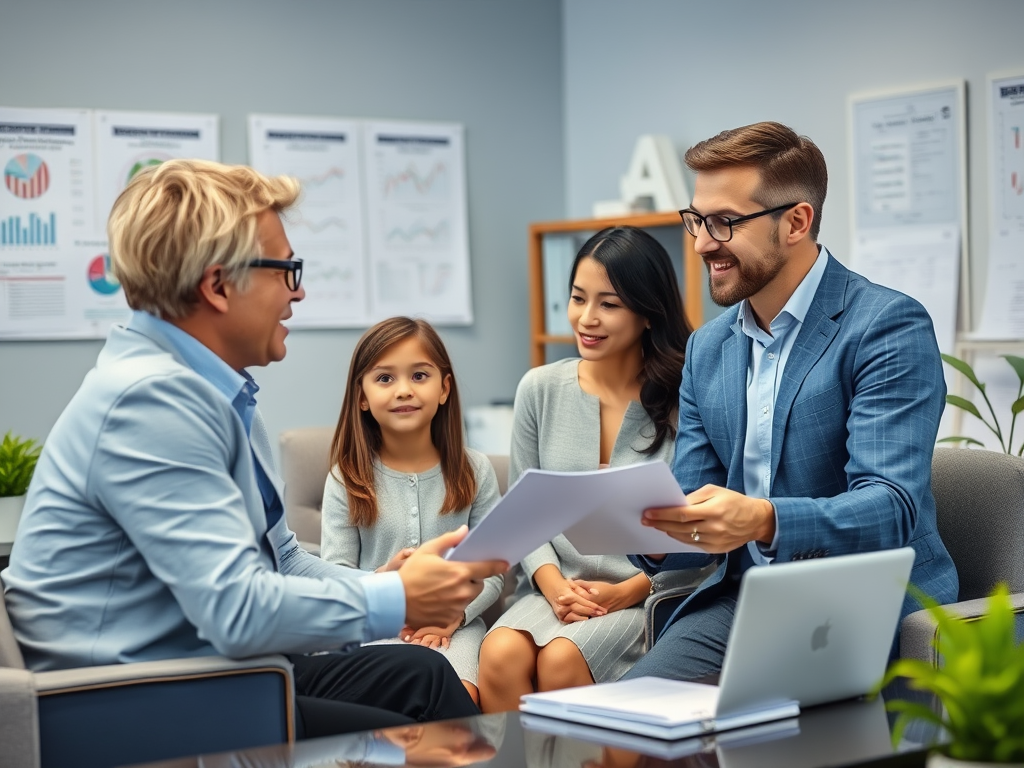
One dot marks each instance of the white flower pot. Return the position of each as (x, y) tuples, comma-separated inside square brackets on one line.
[(10, 514), (939, 760)]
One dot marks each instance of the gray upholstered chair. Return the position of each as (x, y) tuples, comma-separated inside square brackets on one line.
[(979, 498), (96, 717), (305, 462)]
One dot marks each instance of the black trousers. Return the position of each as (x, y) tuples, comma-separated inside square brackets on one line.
[(376, 686)]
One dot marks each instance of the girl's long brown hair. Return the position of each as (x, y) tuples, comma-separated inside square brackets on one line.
[(357, 439)]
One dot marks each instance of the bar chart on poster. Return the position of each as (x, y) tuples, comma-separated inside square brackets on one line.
[(63, 169)]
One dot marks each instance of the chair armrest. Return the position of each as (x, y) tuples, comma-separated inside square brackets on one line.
[(113, 675), (918, 631), (135, 713), (668, 590), (19, 719)]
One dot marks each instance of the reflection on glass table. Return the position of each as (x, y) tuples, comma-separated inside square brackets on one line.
[(848, 733)]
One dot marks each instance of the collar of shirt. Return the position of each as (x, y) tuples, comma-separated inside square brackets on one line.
[(794, 310), (237, 386)]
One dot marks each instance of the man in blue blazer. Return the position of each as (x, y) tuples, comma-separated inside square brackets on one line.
[(807, 414), (154, 526)]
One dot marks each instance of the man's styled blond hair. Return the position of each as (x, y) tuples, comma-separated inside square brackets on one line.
[(176, 219)]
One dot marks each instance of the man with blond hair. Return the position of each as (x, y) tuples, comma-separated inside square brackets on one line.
[(807, 414), (153, 528)]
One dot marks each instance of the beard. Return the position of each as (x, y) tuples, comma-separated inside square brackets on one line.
[(750, 276)]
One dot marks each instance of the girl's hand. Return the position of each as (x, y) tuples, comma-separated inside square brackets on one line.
[(396, 562), (431, 637)]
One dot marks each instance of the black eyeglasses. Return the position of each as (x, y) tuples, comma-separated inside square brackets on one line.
[(292, 270), (719, 226)]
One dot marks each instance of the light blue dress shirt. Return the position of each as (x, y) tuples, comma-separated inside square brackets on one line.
[(146, 532), (769, 353)]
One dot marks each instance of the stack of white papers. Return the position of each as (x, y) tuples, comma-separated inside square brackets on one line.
[(598, 511), (651, 706)]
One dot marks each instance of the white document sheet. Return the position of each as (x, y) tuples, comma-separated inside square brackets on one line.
[(599, 512)]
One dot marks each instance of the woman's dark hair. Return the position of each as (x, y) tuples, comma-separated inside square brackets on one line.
[(641, 273)]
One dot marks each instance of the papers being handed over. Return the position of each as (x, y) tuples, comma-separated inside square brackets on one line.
[(599, 512)]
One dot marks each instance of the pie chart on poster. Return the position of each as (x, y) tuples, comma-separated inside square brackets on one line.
[(27, 176), (101, 276)]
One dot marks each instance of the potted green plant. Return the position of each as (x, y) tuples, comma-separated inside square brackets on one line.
[(980, 685), (18, 459), (1005, 438)]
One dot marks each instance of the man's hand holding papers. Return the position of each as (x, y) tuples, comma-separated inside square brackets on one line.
[(716, 520)]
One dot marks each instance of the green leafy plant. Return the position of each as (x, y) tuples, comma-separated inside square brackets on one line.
[(980, 684), (17, 463), (1005, 442)]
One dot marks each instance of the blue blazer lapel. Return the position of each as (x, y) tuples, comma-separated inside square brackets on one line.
[(816, 333), (735, 361)]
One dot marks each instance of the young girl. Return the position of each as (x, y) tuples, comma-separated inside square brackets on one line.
[(401, 475), (579, 618)]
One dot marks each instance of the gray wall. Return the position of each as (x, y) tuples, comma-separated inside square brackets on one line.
[(494, 66), (690, 69)]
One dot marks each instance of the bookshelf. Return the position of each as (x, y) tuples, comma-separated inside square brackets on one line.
[(692, 271)]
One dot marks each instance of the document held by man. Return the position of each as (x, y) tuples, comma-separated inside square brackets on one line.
[(599, 512)]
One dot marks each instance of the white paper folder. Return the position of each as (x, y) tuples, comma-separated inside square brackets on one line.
[(599, 512)]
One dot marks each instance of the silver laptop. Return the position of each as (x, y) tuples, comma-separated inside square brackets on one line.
[(813, 631)]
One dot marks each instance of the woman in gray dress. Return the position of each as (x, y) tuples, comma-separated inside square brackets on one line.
[(578, 619)]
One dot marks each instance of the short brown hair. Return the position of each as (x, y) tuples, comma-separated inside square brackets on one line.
[(358, 440), (792, 167), (176, 219)]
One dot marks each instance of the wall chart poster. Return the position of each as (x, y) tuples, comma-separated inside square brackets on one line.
[(326, 227), (55, 279), (908, 162), (128, 142), (63, 169), (416, 221), (1003, 314)]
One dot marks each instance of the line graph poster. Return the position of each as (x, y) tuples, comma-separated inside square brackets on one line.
[(48, 287), (128, 142), (326, 227), (1003, 313), (416, 221)]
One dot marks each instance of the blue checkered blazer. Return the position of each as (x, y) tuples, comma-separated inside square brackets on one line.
[(855, 423)]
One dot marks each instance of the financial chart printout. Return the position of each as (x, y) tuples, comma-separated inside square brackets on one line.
[(130, 142), (416, 221), (1003, 310), (55, 277), (325, 228), (909, 196)]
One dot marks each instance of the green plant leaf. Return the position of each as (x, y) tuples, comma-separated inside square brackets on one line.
[(964, 403), (1018, 366), (961, 439), (1018, 406), (964, 368)]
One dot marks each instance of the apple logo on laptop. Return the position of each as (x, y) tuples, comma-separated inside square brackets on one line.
[(819, 638)]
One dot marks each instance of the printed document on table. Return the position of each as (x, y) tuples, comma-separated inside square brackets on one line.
[(651, 706), (599, 512)]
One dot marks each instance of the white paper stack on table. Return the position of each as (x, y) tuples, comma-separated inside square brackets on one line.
[(598, 511), (651, 706)]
